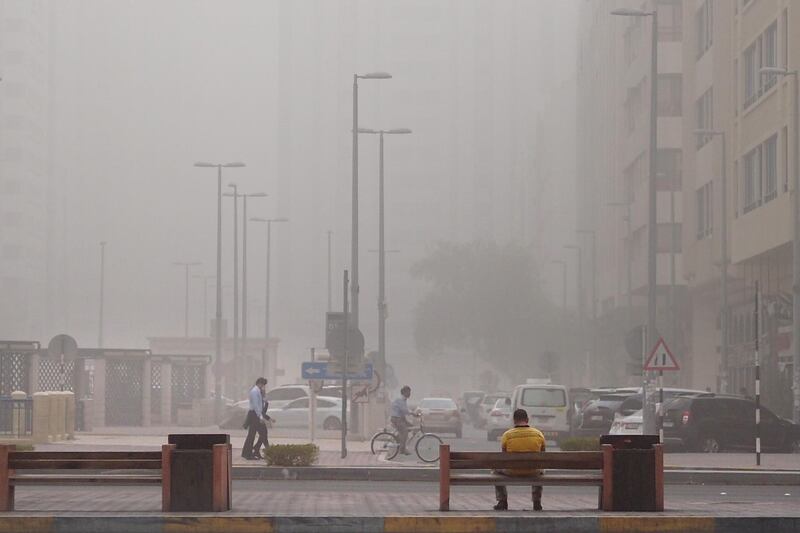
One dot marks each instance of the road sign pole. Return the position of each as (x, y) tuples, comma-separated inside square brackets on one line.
[(660, 410), (312, 406), (344, 373), (758, 382)]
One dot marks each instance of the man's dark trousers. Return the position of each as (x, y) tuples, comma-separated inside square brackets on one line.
[(254, 425)]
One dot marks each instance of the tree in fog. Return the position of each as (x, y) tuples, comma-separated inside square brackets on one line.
[(486, 299)]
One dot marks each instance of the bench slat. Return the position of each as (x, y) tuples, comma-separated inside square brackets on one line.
[(85, 464), (565, 460), (155, 456), (493, 479), (40, 479)]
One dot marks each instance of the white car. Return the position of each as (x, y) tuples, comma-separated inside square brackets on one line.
[(279, 397), (295, 413), (499, 419), (627, 425)]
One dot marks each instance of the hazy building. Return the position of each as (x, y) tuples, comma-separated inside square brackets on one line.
[(29, 195), (729, 42), (613, 95)]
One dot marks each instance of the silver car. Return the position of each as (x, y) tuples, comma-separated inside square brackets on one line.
[(499, 419)]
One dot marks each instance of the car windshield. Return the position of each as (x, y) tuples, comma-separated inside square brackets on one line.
[(501, 404), (543, 398), (437, 403)]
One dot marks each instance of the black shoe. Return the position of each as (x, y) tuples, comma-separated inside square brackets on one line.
[(537, 506), (502, 505)]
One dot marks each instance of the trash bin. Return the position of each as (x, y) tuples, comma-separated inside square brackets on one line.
[(200, 472), (638, 472)]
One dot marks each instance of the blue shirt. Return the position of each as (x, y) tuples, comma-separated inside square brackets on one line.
[(256, 400), (399, 407)]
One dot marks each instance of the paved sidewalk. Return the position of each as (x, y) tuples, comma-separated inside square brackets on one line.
[(359, 454)]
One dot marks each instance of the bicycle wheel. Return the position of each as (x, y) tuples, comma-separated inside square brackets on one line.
[(427, 448), (385, 442)]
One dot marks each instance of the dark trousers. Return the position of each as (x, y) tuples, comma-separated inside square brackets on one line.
[(254, 425), (401, 424), (501, 492)]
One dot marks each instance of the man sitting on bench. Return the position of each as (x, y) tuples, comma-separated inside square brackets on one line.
[(520, 438)]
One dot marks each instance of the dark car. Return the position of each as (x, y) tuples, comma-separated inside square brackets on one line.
[(717, 423), (597, 415)]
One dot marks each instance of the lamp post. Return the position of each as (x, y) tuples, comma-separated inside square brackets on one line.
[(244, 266), (795, 240), (648, 416), (354, 226), (724, 260), (381, 239), (235, 197), (269, 222), (563, 281), (186, 267), (218, 314), (102, 292), (579, 297), (628, 257), (205, 279)]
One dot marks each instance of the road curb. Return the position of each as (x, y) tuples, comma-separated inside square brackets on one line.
[(681, 476), (195, 523)]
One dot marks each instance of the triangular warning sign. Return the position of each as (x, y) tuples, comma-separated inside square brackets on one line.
[(661, 358)]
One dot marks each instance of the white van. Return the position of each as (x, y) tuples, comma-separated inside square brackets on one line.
[(547, 406)]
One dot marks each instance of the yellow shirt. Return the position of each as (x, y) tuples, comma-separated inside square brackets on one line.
[(522, 439)]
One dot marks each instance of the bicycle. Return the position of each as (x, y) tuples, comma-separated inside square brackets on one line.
[(426, 446)]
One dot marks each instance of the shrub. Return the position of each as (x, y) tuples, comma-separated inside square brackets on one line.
[(291, 454), (580, 444)]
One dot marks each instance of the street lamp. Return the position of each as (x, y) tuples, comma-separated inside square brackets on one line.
[(235, 197), (205, 279), (218, 315), (564, 282), (244, 265), (102, 292), (778, 71), (724, 253), (648, 416), (381, 239), (186, 267), (269, 222), (354, 229)]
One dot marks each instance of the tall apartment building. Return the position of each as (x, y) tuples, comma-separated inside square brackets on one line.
[(613, 95), (27, 192), (726, 45)]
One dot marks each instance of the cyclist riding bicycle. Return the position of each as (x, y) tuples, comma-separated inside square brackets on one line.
[(398, 413)]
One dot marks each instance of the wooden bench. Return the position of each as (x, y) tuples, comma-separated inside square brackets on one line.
[(463, 468), (109, 468)]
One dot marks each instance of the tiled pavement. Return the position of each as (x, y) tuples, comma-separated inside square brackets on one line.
[(377, 499)]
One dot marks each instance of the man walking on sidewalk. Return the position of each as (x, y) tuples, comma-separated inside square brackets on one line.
[(254, 423), (520, 438)]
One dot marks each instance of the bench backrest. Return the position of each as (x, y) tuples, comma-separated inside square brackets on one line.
[(84, 460), (505, 460)]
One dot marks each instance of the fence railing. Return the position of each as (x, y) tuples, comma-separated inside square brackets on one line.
[(16, 417)]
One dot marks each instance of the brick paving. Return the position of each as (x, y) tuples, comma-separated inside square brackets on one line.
[(382, 499)]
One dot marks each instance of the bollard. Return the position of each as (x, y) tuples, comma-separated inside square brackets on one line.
[(69, 415), (41, 417), (19, 424)]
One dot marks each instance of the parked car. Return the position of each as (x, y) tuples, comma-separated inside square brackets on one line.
[(713, 423), (295, 414), (547, 406), (499, 419), (597, 415), (634, 403), (440, 415), (632, 424)]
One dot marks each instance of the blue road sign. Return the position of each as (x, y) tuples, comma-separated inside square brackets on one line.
[(322, 370)]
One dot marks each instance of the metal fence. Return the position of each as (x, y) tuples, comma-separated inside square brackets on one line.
[(16, 417)]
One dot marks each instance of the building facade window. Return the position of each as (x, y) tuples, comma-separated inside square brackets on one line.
[(763, 52), (752, 180), (705, 27), (760, 180), (704, 117), (670, 20), (705, 210), (670, 95)]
